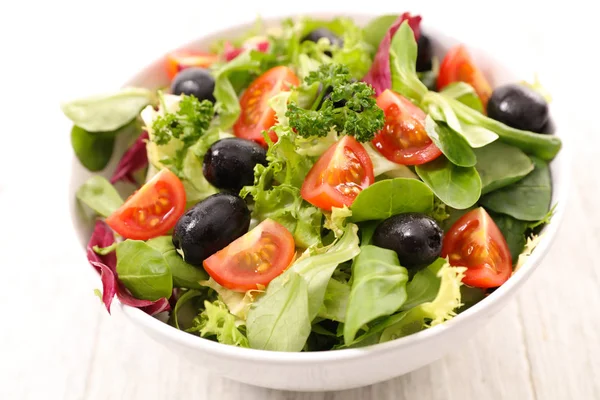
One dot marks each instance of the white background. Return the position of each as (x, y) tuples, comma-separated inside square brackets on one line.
[(56, 341)]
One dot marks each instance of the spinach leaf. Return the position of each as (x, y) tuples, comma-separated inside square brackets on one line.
[(403, 61), (543, 146), (143, 270), (453, 216), (500, 164), (513, 231), (458, 187), (376, 29), (390, 197), (528, 199), (279, 320), (378, 288), (424, 286), (94, 149), (454, 146), (184, 275), (108, 112), (367, 230), (335, 302), (99, 195), (464, 93)]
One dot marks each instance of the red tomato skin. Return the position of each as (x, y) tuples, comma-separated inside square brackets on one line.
[(256, 116), (477, 225), (163, 197), (182, 59), (322, 194), (221, 266), (458, 66), (403, 123)]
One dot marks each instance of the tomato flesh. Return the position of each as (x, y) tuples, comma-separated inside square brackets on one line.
[(458, 66), (256, 116), (475, 242), (254, 259), (151, 211), (182, 59), (403, 138), (341, 173)]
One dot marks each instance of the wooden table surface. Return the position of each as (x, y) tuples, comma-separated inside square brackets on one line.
[(57, 342)]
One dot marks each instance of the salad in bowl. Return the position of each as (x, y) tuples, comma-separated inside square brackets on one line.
[(315, 186)]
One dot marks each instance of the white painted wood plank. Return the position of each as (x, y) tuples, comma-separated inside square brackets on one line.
[(560, 313)]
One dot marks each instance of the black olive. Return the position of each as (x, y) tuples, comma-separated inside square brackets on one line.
[(549, 127), (424, 54), (518, 106), (229, 163), (209, 226), (319, 33), (415, 237), (194, 81)]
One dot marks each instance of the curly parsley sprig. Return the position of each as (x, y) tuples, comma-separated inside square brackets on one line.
[(343, 103), (187, 124)]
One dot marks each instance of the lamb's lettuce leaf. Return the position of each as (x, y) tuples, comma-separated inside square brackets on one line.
[(281, 319), (378, 288)]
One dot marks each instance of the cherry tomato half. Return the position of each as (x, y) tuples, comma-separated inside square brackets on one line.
[(403, 138), (475, 242), (256, 115), (339, 175), (151, 211), (254, 259), (179, 60), (458, 66)]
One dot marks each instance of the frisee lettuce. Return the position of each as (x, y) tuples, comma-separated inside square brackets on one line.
[(216, 322)]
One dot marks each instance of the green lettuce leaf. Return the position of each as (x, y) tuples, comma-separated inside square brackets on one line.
[(238, 303), (281, 319), (99, 194), (216, 322), (432, 313), (433, 296), (378, 288)]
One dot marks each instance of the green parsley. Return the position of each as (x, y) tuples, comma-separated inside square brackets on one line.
[(187, 124), (350, 106)]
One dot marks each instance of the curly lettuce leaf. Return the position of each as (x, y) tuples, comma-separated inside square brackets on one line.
[(276, 189), (433, 296), (336, 220), (216, 322), (432, 313), (238, 303)]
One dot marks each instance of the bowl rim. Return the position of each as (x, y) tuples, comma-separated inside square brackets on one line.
[(559, 197)]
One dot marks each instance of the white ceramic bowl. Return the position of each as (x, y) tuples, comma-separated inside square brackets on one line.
[(342, 369)]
